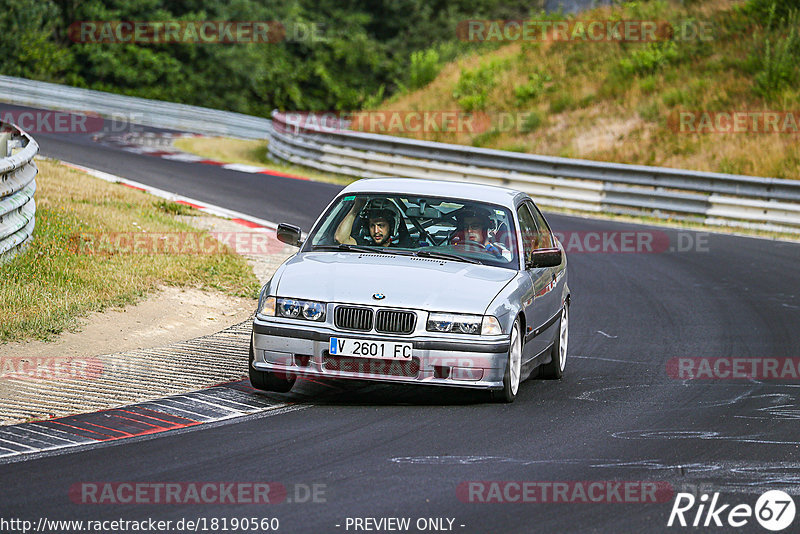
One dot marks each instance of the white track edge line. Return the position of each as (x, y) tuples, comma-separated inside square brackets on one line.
[(210, 208)]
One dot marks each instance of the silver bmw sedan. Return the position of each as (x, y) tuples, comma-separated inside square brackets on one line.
[(417, 282)]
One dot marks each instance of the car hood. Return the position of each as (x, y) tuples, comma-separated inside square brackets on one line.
[(406, 282)]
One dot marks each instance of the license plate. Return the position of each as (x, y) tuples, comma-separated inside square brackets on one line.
[(387, 350)]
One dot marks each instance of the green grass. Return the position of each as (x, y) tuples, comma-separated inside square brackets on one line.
[(60, 277), (711, 55)]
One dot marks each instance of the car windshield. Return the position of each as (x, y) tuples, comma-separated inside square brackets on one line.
[(435, 227)]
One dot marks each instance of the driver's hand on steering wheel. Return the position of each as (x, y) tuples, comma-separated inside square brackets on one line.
[(494, 249)]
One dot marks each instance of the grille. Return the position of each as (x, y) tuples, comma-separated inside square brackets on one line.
[(395, 322), (349, 318), (372, 366)]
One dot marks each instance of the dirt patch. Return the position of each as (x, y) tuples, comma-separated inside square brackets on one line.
[(174, 341), (172, 314), (604, 135)]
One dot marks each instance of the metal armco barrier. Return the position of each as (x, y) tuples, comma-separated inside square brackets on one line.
[(141, 111), (17, 186), (590, 186)]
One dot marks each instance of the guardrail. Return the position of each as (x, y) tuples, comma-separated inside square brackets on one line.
[(155, 113), (590, 186), (17, 186)]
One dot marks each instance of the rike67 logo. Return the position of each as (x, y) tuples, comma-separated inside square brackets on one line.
[(774, 510)]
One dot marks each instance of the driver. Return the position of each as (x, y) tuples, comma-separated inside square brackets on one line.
[(380, 222), (473, 230)]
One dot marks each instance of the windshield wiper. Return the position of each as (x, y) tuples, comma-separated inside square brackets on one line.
[(445, 256), (357, 248)]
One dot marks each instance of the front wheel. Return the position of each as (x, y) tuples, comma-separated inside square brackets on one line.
[(513, 368), (267, 380), (555, 369)]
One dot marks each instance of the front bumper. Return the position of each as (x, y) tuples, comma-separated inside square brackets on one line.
[(302, 349)]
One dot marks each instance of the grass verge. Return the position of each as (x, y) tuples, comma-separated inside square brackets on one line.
[(249, 152), (55, 280)]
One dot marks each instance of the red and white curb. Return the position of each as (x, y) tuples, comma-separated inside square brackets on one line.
[(235, 216), (168, 152), (213, 405)]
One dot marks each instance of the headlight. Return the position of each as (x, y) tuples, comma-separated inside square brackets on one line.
[(289, 308), (309, 310), (313, 311), (455, 323)]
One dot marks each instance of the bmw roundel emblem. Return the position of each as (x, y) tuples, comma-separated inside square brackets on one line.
[(378, 296)]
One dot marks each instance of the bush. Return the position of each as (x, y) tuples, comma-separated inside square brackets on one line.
[(764, 9), (650, 112), (425, 66), (674, 97), (648, 59), (648, 84), (484, 138), (532, 89), (777, 61), (473, 86), (562, 102), (173, 208), (532, 122)]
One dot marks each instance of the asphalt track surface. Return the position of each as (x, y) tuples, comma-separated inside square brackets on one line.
[(388, 451)]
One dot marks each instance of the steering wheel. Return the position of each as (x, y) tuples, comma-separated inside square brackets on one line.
[(465, 242), (490, 248)]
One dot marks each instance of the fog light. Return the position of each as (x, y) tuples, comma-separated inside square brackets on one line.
[(268, 307), (490, 326), (466, 373)]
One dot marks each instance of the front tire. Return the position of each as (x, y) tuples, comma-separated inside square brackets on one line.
[(558, 355), (267, 380), (511, 378)]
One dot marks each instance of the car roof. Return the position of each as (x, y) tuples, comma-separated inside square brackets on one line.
[(436, 188)]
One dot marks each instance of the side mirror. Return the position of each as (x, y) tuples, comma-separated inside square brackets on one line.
[(545, 257), (289, 234)]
